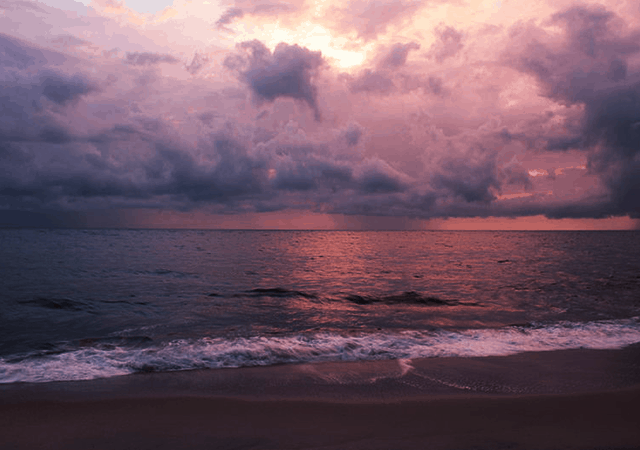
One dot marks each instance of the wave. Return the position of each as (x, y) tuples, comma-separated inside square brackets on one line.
[(64, 304), (99, 361), (278, 292), (407, 298)]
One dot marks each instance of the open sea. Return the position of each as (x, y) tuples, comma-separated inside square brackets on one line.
[(85, 304)]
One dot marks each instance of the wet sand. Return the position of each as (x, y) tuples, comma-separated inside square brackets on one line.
[(581, 399)]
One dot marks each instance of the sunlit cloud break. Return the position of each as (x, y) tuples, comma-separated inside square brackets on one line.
[(120, 114)]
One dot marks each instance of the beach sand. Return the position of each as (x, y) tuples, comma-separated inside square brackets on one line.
[(577, 399)]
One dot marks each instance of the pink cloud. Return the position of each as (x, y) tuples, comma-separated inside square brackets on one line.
[(110, 111)]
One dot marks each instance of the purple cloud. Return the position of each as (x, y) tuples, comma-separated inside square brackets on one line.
[(242, 8), (372, 82), (429, 140), (449, 43), (147, 58), (591, 69), (229, 16), (397, 56), (287, 72), (370, 18)]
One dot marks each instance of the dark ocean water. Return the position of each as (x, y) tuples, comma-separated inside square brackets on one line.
[(82, 304)]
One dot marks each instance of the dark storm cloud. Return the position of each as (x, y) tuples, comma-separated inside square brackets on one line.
[(39, 159), (227, 173), (588, 29), (63, 90), (612, 126), (516, 175), (37, 186), (25, 117), (469, 180), (54, 135), (590, 68), (235, 175), (45, 168), (169, 171), (23, 104), (375, 181), (40, 219), (613, 118), (288, 72), (311, 176), (593, 208), (592, 58), (146, 58), (27, 75)]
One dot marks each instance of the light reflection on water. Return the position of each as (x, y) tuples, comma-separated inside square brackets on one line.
[(176, 284)]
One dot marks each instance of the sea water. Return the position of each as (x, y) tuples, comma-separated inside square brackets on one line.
[(84, 304)]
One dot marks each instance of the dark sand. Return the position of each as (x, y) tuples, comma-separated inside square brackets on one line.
[(581, 399)]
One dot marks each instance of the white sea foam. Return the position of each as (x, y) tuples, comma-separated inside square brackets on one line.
[(90, 363)]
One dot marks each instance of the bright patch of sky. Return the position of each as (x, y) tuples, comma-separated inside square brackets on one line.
[(148, 6), (141, 6)]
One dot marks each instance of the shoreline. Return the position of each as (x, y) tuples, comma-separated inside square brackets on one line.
[(536, 373), (573, 399)]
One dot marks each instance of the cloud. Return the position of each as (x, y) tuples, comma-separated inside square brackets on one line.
[(447, 45), (124, 123), (388, 67), (18, 54), (83, 178), (288, 72), (253, 8), (378, 177), (612, 130), (228, 16), (198, 62), (397, 56), (33, 96), (369, 18), (231, 177), (470, 180), (146, 58), (352, 134), (62, 90), (371, 81), (591, 56), (589, 68)]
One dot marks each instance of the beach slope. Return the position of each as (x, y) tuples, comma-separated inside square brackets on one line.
[(527, 401)]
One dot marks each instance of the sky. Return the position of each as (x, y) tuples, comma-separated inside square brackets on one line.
[(359, 114)]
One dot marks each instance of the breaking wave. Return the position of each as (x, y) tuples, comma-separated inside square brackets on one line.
[(99, 361)]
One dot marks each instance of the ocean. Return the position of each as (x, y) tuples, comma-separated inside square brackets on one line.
[(86, 304)]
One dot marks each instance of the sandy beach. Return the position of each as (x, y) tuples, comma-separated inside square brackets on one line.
[(577, 399)]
